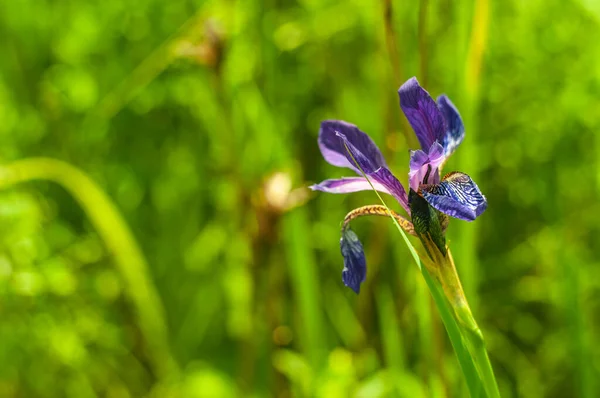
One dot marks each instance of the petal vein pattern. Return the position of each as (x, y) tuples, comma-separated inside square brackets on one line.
[(334, 151), (457, 196)]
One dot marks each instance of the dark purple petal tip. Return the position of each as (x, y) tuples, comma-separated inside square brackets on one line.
[(334, 151), (422, 113), (355, 264), (457, 196)]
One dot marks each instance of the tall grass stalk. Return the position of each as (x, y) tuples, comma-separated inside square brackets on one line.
[(470, 78), (575, 313), (303, 273), (120, 243)]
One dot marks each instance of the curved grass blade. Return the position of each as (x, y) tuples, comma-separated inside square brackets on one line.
[(119, 241)]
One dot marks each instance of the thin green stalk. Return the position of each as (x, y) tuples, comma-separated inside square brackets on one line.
[(119, 241), (426, 336), (442, 265), (142, 75), (471, 83), (465, 359), (469, 159), (479, 352), (422, 35), (395, 62), (393, 346), (303, 271), (575, 314)]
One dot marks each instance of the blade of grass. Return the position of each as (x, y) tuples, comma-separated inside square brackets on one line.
[(467, 232), (120, 243), (393, 347), (575, 315), (303, 276), (426, 338)]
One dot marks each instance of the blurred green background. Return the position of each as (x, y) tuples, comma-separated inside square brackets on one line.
[(177, 251)]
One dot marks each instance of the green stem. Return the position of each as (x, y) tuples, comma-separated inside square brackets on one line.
[(465, 360), (474, 338), (479, 353), (119, 241)]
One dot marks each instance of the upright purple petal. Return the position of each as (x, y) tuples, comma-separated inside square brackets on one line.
[(455, 129), (436, 151), (425, 164), (417, 159), (335, 153), (422, 113), (355, 264), (457, 196)]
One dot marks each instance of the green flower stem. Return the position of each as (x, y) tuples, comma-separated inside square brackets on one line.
[(120, 243), (442, 266), (479, 352), (455, 334), (476, 344), (465, 358)]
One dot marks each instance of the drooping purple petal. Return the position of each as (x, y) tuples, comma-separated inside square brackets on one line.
[(355, 264), (335, 153), (425, 164), (455, 129), (457, 196), (422, 113)]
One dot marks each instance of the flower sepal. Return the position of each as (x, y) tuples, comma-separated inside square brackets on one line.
[(427, 222)]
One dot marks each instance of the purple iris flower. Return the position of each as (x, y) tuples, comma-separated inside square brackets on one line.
[(439, 129)]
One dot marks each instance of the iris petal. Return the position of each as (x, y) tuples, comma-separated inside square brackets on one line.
[(422, 164), (335, 153), (381, 174), (455, 129), (422, 113), (347, 185), (355, 156), (355, 264), (457, 196), (417, 159), (385, 178), (382, 179)]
